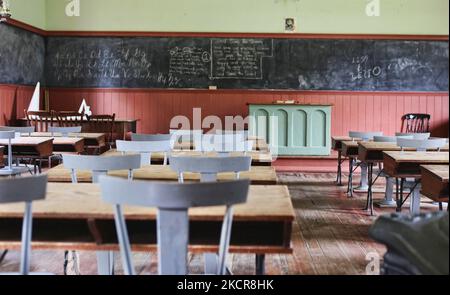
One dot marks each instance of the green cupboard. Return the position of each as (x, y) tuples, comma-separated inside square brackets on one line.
[(293, 129)]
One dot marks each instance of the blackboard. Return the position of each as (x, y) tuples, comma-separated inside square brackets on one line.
[(247, 63), (22, 56)]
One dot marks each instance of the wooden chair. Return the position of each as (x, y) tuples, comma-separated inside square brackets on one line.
[(102, 124), (41, 120), (173, 202), (355, 164), (70, 119), (416, 123), (145, 149), (412, 184), (26, 190), (99, 166)]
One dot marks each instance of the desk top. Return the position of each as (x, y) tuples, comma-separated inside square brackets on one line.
[(388, 146), (27, 141), (115, 120), (257, 175), (440, 171), (71, 135), (83, 201), (419, 157)]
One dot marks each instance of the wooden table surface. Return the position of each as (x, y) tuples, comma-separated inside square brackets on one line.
[(371, 151), (336, 141), (30, 146), (261, 175), (435, 183), (407, 164), (74, 216), (258, 158), (89, 138)]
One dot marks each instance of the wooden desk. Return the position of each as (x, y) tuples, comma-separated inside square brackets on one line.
[(258, 158), (258, 175), (407, 164), (121, 126), (67, 144), (74, 217), (402, 165), (435, 182), (373, 151), (30, 146), (336, 142), (90, 139), (349, 149)]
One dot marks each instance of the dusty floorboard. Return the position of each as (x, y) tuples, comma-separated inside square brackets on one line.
[(330, 236)]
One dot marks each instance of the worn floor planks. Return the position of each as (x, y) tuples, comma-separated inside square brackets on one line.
[(330, 237)]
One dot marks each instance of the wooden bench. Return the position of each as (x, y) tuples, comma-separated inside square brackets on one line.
[(74, 217)]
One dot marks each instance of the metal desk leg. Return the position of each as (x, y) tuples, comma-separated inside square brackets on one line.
[(369, 204), (260, 264), (3, 255), (105, 263), (339, 171), (350, 178), (400, 195)]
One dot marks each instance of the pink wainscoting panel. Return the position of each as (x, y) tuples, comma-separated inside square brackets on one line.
[(351, 110), (13, 101)]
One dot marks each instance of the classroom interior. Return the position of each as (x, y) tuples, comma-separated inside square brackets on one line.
[(238, 137)]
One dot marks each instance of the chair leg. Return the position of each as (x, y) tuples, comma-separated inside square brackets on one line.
[(3, 255), (26, 240), (105, 263), (441, 206)]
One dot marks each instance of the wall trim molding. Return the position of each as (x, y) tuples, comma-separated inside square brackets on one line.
[(48, 33), (249, 91)]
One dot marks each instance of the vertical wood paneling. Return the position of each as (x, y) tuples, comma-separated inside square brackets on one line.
[(155, 109)]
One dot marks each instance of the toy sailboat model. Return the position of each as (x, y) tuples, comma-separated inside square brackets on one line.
[(36, 99)]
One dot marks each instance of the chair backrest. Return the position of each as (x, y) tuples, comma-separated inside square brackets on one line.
[(70, 119), (422, 145), (173, 202), (365, 136), (101, 165), (150, 137), (41, 120), (244, 133), (209, 167), (20, 130), (103, 124), (7, 134), (421, 136), (65, 131), (27, 190), (222, 143), (145, 149), (186, 135), (416, 123), (392, 139)]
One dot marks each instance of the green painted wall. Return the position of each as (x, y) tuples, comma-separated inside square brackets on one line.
[(265, 16), (31, 12)]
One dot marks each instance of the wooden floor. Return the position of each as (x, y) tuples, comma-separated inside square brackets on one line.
[(330, 236)]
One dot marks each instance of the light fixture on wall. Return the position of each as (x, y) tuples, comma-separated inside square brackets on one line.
[(5, 12)]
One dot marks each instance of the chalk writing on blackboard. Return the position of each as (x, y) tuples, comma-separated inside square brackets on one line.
[(239, 58), (189, 61)]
